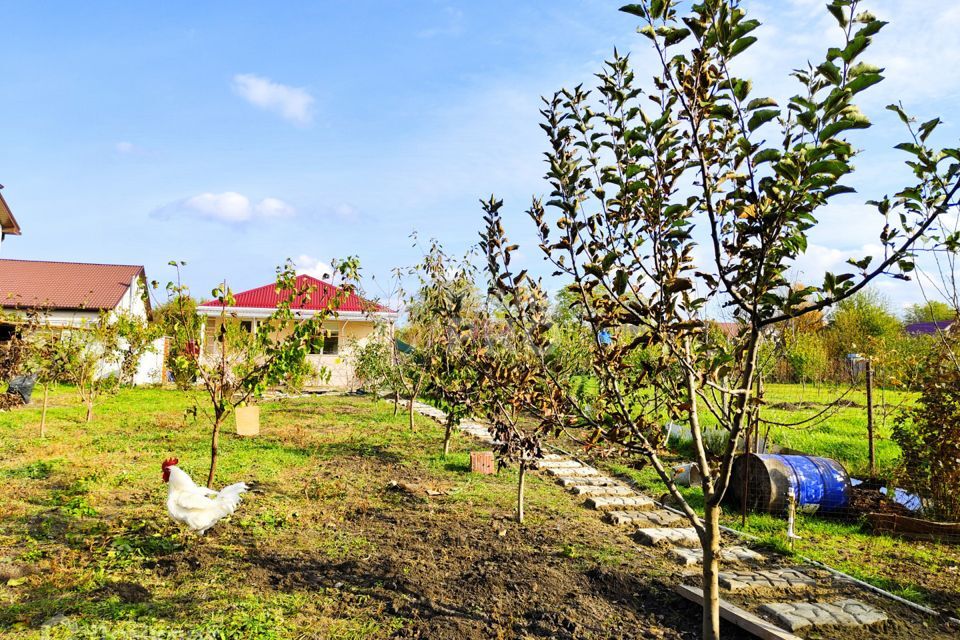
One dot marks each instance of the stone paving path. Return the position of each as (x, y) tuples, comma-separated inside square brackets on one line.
[(796, 616), (788, 579), (729, 555), (667, 529)]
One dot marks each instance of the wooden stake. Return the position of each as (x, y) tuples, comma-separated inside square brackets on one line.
[(872, 451)]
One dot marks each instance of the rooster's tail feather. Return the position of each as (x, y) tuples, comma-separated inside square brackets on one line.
[(229, 496)]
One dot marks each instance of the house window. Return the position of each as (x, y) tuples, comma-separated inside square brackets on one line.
[(331, 343), (246, 326), (328, 342)]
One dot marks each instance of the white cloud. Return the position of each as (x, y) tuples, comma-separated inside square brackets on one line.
[(292, 103), (310, 266), (124, 147), (274, 208), (229, 207)]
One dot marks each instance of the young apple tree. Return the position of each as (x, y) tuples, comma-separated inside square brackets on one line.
[(446, 313), (88, 357), (514, 358), (642, 177), (240, 364)]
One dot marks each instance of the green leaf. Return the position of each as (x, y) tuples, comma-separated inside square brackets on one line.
[(871, 28), (831, 72), (620, 282), (635, 9), (863, 81), (723, 111), (767, 155), (854, 48), (897, 109), (741, 88), (909, 147), (835, 168), (739, 46), (673, 35), (927, 128), (657, 8), (837, 12), (861, 68), (834, 128), (760, 117), (757, 103)]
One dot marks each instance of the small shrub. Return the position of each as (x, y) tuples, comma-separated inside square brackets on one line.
[(929, 434)]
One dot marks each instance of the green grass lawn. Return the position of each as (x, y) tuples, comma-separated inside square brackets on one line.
[(357, 528), (840, 432)]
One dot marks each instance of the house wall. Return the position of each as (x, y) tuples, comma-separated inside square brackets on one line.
[(150, 368), (352, 335)]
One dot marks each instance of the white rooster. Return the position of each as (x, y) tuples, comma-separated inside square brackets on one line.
[(197, 507)]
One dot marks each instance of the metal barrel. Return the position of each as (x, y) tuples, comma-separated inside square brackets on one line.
[(820, 484)]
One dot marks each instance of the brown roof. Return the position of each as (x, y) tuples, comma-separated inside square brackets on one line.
[(729, 329), (8, 224), (64, 285)]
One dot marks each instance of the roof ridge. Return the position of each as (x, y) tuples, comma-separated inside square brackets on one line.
[(88, 264)]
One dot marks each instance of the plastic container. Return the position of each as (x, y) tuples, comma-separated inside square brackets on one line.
[(248, 420), (820, 484), (687, 475)]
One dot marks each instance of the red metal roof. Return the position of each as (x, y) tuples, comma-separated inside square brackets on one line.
[(64, 285), (266, 297)]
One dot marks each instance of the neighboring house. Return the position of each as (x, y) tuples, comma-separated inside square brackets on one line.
[(928, 328), (730, 330), (8, 224), (355, 323), (72, 294)]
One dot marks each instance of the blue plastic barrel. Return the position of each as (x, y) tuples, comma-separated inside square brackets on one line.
[(819, 484)]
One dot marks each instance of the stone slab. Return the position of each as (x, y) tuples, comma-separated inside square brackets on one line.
[(660, 518), (634, 516), (574, 472), (796, 616), (662, 536), (731, 555), (787, 579), (558, 464), (617, 503), (587, 481), (601, 490)]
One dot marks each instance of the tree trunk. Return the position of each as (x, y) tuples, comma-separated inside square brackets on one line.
[(90, 410), (711, 567), (520, 484), (43, 412), (214, 442), (446, 439), (413, 398), (396, 403)]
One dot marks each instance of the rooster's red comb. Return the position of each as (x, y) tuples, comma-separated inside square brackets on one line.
[(169, 462)]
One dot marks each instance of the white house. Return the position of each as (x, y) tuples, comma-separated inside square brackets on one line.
[(8, 224), (355, 323), (72, 294)]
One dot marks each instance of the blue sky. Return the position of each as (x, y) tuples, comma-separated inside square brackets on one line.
[(235, 135)]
